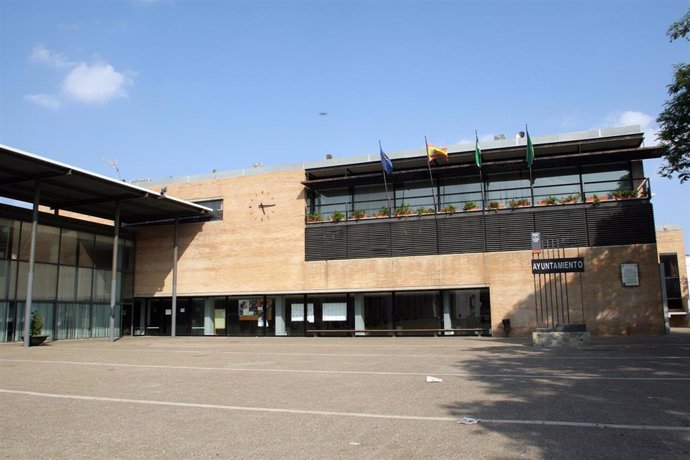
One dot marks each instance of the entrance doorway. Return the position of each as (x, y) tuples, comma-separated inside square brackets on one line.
[(246, 316)]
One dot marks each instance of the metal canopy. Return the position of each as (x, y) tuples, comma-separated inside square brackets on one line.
[(488, 167), (554, 153), (457, 157), (65, 187)]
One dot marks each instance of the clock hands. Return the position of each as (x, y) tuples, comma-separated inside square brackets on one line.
[(264, 206)]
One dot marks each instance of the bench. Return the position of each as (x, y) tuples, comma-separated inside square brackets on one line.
[(353, 332)]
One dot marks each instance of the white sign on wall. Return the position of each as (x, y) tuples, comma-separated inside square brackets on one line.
[(335, 311), (630, 275)]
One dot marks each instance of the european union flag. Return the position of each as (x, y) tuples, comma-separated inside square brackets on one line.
[(386, 162)]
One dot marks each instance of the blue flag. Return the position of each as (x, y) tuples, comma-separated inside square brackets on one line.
[(386, 162)]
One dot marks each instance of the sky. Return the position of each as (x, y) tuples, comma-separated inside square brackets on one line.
[(138, 89)]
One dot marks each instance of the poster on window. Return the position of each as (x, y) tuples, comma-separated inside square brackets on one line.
[(250, 307), (297, 313), (335, 311)]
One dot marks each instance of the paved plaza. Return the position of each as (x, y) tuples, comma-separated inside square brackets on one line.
[(281, 397)]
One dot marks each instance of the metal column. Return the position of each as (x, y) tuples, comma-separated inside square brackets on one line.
[(113, 273), (174, 286), (32, 259)]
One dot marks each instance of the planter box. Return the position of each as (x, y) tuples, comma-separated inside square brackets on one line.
[(36, 340)]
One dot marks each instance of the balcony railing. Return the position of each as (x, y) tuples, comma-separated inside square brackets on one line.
[(493, 199)]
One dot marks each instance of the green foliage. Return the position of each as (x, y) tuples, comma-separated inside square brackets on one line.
[(494, 205), (514, 204), (421, 211), (383, 212), (624, 193), (680, 29), (337, 216), (570, 199), (358, 214), (36, 323), (403, 210), (315, 217), (551, 200), (450, 209), (674, 121), (469, 205)]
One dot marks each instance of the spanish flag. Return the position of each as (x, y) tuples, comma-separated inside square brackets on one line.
[(433, 152)]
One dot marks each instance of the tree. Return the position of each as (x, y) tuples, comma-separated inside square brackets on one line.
[(675, 119)]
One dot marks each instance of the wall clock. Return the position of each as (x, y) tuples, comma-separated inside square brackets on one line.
[(262, 205)]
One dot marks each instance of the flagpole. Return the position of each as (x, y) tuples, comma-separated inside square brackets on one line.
[(385, 184), (431, 178), (481, 176), (531, 181), (433, 192)]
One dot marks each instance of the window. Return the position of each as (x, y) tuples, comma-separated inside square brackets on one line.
[(216, 205), (372, 198), (503, 187), (458, 191), (673, 292), (562, 183), (415, 195), (603, 179), (326, 202)]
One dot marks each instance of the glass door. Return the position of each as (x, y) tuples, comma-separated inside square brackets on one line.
[(158, 317)]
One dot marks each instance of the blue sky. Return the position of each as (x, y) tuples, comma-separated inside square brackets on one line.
[(177, 87)]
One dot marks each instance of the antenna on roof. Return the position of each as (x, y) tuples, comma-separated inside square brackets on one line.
[(113, 164)]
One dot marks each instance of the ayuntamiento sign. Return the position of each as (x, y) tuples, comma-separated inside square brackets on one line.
[(567, 265)]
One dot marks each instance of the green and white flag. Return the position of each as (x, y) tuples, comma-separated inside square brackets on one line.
[(477, 152), (530, 150)]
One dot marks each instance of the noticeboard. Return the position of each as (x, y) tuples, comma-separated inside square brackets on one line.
[(630, 275)]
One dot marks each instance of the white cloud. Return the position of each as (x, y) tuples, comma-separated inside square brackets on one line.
[(44, 100), (95, 84), (630, 117), (42, 55), (86, 83), (646, 122)]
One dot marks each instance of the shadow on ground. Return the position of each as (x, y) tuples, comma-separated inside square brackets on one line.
[(548, 399)]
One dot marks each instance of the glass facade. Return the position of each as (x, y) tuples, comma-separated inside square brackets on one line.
[(572, 184), (71, 287), (374, 313)]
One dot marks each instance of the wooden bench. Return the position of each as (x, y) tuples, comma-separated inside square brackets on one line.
[(353, 332)]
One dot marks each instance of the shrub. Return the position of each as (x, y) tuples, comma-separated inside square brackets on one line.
[(469, 205), (358, 214), (36, 323), (449, 208), (383, 212), (403, 210), (337, 216), (315, 217)]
